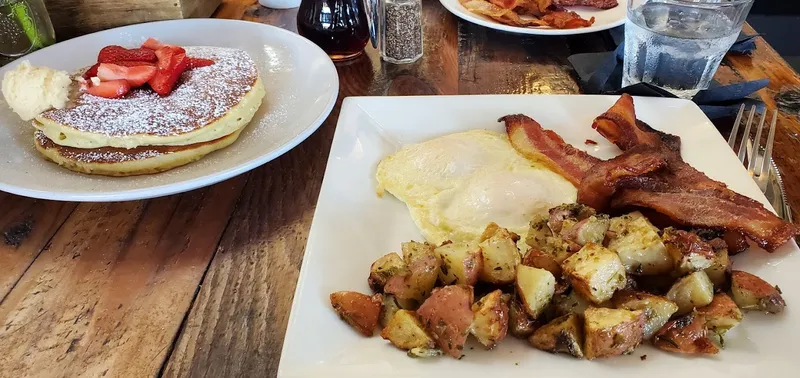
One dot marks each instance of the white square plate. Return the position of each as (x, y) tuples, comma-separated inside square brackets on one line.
[(353, 226)]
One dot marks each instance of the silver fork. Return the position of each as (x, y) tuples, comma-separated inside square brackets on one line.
[(750, 148)]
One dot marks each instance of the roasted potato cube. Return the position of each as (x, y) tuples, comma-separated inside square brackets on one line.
[(590, 230), (359, 310), (657, 310), (686, 334), (562, 335), (721, 314), (447, 316), (689, 253), (752, 293), (461, 263), (611, 332), (568, 213), (406, 332), (500, 255), (424, 352), (423, 271), (570, 303), (389, 307), (384, 268), (638, 245), (595, 272), (490, 322), (520, 324), (692, 291), (536, 288), (720, 269), (540, 237), (538, 259)]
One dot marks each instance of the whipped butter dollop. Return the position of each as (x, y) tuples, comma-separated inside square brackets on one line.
[(30, 90)]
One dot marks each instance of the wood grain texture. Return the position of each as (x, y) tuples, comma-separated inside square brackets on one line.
[(108, 297), (26, 226)]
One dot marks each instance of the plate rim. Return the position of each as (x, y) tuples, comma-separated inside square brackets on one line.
[(182, 186), (468, 16)]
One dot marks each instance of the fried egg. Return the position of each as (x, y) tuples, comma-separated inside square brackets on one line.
[(456, 184)]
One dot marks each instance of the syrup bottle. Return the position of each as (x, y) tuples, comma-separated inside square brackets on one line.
[(339, 27)]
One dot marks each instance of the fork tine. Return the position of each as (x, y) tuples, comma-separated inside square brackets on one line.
[(735, 129), (746, 135), (768, 149), (751, 163)]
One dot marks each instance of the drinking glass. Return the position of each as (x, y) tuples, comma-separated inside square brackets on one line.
[(24, 26), (678, 44)]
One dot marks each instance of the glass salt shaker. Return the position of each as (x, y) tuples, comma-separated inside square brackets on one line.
[(399, 30)]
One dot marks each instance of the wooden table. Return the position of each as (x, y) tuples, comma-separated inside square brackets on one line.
[(200, 284)]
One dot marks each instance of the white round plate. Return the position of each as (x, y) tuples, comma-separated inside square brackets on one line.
[(603, 19), (300, 79)]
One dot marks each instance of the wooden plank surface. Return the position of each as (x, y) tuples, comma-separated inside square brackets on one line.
[(195, 285)]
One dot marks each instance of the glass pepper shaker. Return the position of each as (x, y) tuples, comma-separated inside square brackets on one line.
[(399, 30)]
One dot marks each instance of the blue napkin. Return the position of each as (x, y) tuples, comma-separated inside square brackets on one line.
[(602, 73)]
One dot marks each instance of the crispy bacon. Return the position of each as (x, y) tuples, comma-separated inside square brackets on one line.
[(564, 19), (620, 126), (601, 4), (547, 148)]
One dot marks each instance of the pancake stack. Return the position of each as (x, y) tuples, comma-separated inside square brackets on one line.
[(144, 133)]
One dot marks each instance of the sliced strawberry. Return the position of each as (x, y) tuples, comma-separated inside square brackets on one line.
[(152, 44), (198, 62), (135, 76), (171, 64), (92, 71), (134, 63), (113, 54), (110, 89)]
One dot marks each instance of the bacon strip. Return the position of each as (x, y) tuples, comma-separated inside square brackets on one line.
[(601, 4), (547, 148), (620, 126), (703, 208)]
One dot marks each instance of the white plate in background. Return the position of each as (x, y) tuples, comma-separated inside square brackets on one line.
[(352, 227), (300, 80)]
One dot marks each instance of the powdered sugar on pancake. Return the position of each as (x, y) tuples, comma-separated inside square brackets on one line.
[(202, 96)]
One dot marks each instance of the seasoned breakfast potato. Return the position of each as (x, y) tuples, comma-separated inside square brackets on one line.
[(520, 324), (424, 352), (359, 310), (406, 332), (389, 307), (657, 310), (692, 291), (611, 332), (562, 335), (561, 216), (689, 253), (462, 263), (540, 237), (500, 255), (447, 316), (686, 334), (569, 303), (423, 271), (752, 293), (720, 270), (638, 245), (590, 230), (538, 259), (384, 268), (659, 284), (595, 272), (490, 321), (536, 288), (721, 314)]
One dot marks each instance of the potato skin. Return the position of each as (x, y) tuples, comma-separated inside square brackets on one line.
[(595, 272), (500, 255), (389, 307), (490, 322), (611, 332), (520, 324), (423, 271), (462, 263), (687, 335), (405, 331), (447, 316), (562, 335), (689, 252), (721, 314), (359, 310), (384, 268), (657, 310), (538, 259), (750, 292)]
